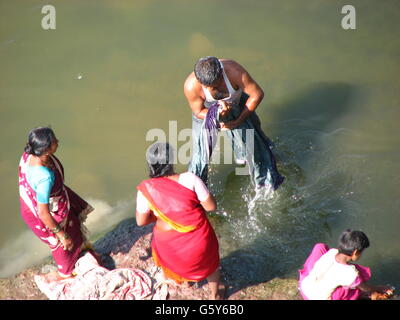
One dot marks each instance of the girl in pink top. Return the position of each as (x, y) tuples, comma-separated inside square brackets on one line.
[(329, 274)]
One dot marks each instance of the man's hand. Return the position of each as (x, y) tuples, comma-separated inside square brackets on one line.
[(226, 108), (229, 125)]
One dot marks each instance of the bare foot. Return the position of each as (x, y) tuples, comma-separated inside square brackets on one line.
[(55, 276), (220, 293)]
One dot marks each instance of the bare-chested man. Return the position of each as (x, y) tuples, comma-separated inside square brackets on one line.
[(227, 82)]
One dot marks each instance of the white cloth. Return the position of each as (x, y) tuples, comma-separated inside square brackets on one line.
[(94, 282), (326, 275)]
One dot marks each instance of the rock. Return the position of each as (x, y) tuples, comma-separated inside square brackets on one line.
[(275, 289), (21, 287), (129, 246)]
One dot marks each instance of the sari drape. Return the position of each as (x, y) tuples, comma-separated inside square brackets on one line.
[(67, 209), (188, 252)]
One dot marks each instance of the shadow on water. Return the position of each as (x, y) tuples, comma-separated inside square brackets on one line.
[(275, 232)]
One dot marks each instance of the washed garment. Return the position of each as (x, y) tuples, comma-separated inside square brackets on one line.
[(93, 282), (209, 131)]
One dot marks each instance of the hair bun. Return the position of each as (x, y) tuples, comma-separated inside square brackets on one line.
[(28, 148)]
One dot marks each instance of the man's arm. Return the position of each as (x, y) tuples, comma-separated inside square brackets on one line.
[(196, 102), (239, 76)]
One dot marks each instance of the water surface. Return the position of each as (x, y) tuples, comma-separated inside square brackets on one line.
[(113, 70)]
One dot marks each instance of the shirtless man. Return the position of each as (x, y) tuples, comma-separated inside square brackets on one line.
[(227, 82)]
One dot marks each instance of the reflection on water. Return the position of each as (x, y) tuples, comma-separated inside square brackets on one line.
[(112, 70)]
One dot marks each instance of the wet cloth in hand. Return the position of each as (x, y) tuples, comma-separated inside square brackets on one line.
[(209, 131), (249, 143)]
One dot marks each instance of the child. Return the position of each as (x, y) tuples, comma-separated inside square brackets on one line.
[(329, 274)]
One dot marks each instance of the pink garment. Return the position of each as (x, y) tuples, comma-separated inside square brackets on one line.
[(66, 208), (340, 293)]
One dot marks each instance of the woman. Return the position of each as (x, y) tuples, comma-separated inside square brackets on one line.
[(331, 274), (184, 243), (51, 210)]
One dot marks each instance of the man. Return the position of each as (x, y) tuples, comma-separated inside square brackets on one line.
[(228, 83)]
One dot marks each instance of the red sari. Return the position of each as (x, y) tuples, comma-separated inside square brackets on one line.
[(66, 208), (190, 251)]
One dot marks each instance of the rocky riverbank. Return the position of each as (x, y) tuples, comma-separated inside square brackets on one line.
[(128, 246)]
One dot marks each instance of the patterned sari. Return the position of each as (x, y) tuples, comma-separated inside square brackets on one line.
[(66, 208), (190, 251)]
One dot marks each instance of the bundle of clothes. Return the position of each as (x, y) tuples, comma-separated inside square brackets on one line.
[(94, 282)]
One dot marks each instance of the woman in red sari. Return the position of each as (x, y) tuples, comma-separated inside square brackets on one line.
[(184, 243), (51, 210)]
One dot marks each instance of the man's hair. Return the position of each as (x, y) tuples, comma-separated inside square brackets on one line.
[(351, 240), (207, 70)]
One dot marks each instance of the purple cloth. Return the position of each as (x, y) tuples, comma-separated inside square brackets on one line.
[(211, 126)]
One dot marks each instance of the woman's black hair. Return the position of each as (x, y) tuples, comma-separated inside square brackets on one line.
[(207, 70), (159, 158), (39, 141), (351, 240)]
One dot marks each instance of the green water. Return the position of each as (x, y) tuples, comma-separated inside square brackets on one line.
[(113, 70)]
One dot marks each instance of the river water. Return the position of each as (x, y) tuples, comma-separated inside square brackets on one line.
[(113, 70)]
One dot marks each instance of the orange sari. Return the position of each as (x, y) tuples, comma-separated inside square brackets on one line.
[(190, 251)]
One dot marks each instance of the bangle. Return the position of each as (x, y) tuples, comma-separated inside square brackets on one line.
[(66, 236), (56, 229)]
